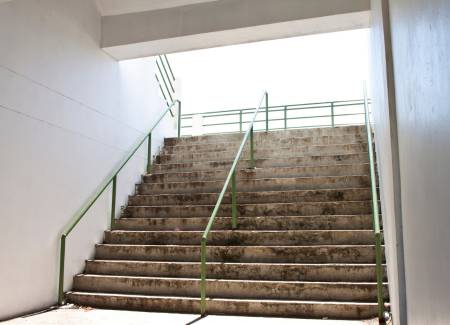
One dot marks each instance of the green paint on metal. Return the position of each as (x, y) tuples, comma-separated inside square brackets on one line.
[(164, 81), (149, 153), (170, 68), (167, 75), (375, 212), (231, 177), (233, 201), (113, 202), (332, 114), (112, 179), (267, 112)]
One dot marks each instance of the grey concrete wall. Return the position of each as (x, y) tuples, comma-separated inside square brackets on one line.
[(226, 22), (68, 114), (412, 121)]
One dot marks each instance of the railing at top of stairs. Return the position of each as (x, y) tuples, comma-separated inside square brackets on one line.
[(110, 180)]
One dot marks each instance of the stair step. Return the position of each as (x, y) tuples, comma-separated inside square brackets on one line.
[(247, 210), (264, 153), (270, 172), (261, 184), (242, 254), (218, 288), (272, 161), (243, 237), (323, 222), (268, 136), (260, 143), (343, 194), (280, 308), (251, 271)]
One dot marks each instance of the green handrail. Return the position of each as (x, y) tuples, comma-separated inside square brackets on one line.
[(375, 212), (231, 177), (110, 180)]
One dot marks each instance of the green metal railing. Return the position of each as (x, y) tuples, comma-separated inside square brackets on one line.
[(321, 114), (230, 178), (110, 180), (165, 77), (375, 212)]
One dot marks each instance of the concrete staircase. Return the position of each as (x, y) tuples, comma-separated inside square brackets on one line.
[(304, 246)]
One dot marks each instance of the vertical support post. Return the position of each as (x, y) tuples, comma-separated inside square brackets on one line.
[(179, 119), (240, 121), (379, 273), (203, 278), (267, 112), (113, 201), (285, 117), (332, 114), (252, 156), (233, 201), (149, 153), (62, 255)]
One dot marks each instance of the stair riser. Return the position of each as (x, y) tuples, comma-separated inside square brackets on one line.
[(273, 144), (261, 153), (250, 254), (336, 170), (256, 197), (228, 307), (250, 185), (361, 292), (249, 210), (215, 164), (271, 136), (274, 272), (240, 238), (252, 223)]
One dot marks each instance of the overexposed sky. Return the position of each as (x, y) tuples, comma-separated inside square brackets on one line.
[(303, 69)]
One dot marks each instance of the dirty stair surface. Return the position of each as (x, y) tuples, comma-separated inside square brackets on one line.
[(304, 246)]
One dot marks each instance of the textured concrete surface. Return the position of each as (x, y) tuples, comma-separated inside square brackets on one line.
[(89, 316)]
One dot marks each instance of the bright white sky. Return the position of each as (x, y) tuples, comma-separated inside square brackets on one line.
[(296, 70)]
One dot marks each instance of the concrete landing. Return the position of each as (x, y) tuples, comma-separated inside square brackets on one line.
[(88, 316)]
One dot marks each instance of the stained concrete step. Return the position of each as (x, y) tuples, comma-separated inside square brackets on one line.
[(261, 184), (243, 237), (243, 271), (219, 288), (280, 308), (248, 210), (344, 194), (273, 161), (284, 152), (323, 222), (294, 141), (271, 135), (241, 254), (254, 173)]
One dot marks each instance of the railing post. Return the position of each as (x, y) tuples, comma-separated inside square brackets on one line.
[(285, 117), (233, 201), (332, 114), (379, 274), (113, 202), (203, 278), (240, 121), (149, 153), (62, 255), (179, 119), (252, 156), (267, 112)]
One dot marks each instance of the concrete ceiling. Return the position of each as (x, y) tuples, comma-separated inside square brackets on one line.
[(118, 7)]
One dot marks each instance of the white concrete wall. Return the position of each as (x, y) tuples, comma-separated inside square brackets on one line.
[(69, 113), (226, 22), (412, 120)]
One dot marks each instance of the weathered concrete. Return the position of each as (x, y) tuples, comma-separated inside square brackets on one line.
[(280, 308), (243, 271), (304, 234), (244, 254), (318, 222)]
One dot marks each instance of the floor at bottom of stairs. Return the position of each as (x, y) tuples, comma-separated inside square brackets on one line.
[(71, 315)]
